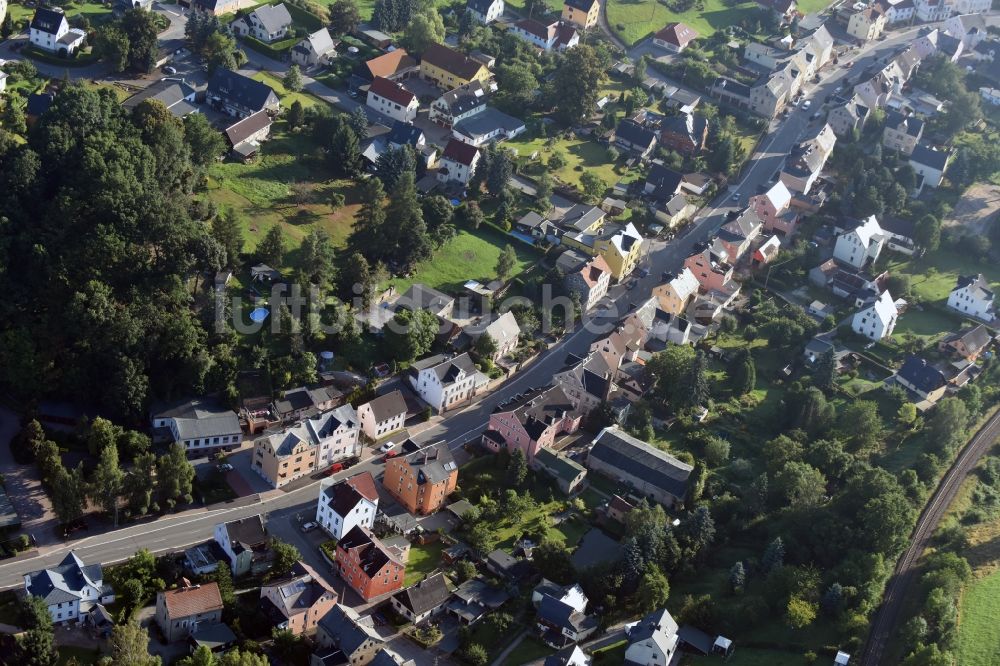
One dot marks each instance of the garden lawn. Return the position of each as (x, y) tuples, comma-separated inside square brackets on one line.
[(930, 323), (934, 276), (422, 561), (612, 655), (284, 186), (471, 255), (527, 651), (580, 156), (634, 20), (287, 97), (979, 622)]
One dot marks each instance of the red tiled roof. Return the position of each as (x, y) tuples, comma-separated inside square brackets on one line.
[(392, 91), (364, 484), (390, 63), (677, 34), (187, 601), (460, 152)]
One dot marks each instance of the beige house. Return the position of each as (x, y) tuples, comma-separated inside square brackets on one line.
[(181, 611), (298, 601), (867, 24), (313, 444), (673, 295)]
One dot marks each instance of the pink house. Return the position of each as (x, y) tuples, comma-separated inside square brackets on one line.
[(298, 601), (531, 420), (772, 208), (711, 271)]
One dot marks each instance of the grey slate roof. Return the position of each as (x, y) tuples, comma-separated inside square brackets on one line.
[(447, 369), (487, 121), (563, 615), (921, 374), (658, 627), (171, 92), (47, 20), (239, 90), (201, 417), (274, 17), (465, 97), (343, 625), (246, 533), (634, 133), (433, 463), (621, 451), (581, 217), (430, 593), (387, 406), (65, 582), (936, 159), (404, 134)]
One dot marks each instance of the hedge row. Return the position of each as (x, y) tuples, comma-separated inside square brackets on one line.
[(79, 60), (277, 50)]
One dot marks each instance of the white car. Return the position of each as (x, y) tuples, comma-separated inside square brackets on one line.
[(309, 527), (806, 104), (388, 446)]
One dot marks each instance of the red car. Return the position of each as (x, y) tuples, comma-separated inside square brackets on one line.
[(390, 454)]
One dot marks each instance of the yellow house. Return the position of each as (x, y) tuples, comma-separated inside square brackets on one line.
[(582, 13), (448, 69), (673, 295), (621, 249)]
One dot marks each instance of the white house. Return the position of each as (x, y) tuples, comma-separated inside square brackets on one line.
[(546, 36), (485, 11), (860, 245), (50, 31), (898, 11), (267, 23), (877, 318), (392, 99), (458, 162), (346, 504), (652, 640), (930, 165), (455, 105), (444, 382), (973, 296), (70, 590), (202, 425), (319, 48), (383, 415), (245, 543)]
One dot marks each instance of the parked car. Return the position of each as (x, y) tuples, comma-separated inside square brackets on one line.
[(224, 467), (309, 527), (389, 455), (333, 469), (387, 447), (806, 104), (167, 69)]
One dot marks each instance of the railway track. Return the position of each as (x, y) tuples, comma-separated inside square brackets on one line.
[(887, 617)]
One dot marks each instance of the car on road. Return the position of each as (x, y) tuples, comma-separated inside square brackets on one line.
[(333, 469), (643, 272), (389, 456), (735, 197), (309, 527), (816, 115), (387, 447), (806, 104), (167, 69), (224, 467)]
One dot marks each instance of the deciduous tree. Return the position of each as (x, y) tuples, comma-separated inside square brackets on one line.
[(344, 17)]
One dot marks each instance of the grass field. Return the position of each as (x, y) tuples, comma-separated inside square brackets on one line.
[(423, 560), (527, 651), (934, 275), (979, 624), (94, 11), (931, 323), (471, 255), (287, 97), (580, 156), (287, 186), (634, 20)]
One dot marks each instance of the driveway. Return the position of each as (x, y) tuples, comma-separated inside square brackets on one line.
[(24, 487)]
